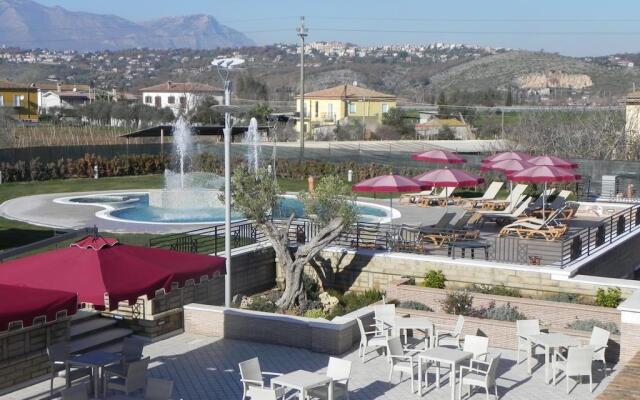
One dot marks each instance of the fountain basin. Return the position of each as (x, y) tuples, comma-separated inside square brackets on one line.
[(184, 199)]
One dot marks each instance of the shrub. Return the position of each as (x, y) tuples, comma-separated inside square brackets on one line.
[(611, 298), (565, 298), (588, 324), (434, 279), (311, 287), (315, 313), (502, 313), (458, 302), (498, 290), (261, 303), (353, 301), (415, 305)]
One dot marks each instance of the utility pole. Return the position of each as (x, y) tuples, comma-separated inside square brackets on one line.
[(302, 33)]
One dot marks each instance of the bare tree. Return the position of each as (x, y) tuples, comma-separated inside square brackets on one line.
[(587, 134)]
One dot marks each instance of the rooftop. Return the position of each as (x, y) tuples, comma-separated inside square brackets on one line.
[(181, 87), (346, 92), (207, 368)]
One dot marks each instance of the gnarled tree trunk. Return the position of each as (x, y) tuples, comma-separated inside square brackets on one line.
[(293, 264)]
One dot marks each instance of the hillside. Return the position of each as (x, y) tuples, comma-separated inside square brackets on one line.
[(26, 23)]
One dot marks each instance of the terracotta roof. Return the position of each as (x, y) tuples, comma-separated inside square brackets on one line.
[(178, 87), (14, 85), (65, 87), (346, 92)]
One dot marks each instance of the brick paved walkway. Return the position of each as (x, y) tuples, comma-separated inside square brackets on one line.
[(205, 368)]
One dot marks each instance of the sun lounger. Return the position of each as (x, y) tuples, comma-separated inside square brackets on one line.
[(527, 228), (441, 198), (369, 236), (506, 204), (463, 228), (489, 194), (414, 198)]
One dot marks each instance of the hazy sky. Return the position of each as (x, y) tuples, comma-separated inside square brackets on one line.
[(572, 27)]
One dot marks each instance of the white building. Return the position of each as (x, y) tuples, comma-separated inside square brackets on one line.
[(67, 100), (180, 97)]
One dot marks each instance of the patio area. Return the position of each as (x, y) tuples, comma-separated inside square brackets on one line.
[(207, 368)]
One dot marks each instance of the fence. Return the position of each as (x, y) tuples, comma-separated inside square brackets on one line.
[(594, 238)]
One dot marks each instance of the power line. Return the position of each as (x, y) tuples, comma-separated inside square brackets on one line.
[(448, 32), (480, 20)]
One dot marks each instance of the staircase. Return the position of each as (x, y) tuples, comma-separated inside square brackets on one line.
[(91, 331)]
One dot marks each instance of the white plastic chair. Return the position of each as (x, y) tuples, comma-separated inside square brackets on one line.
[(454, 335), (400, 361), (258, 393), (132, 381), (478, 345), (340, 372), (598, 342), (369, 340), (524, 329), (577, 363), (384, 316), (485, 377), (158, 389), (251, 376)]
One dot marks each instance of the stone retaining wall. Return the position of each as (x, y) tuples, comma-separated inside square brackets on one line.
[(332, 337), (350, 270), (23, 352), (551, 314)]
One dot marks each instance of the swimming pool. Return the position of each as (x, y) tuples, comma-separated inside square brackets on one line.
[(134, 207)]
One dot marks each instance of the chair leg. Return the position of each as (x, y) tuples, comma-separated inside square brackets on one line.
[(566, 377), (390, 372), (486, 390), (495, 390), (591, 383)]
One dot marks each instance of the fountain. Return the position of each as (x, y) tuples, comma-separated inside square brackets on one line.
[(252, 138), (185, 189)]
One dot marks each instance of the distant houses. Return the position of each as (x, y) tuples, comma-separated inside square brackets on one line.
[(59, 95), (22, 97), (339, 103), (180, 97)]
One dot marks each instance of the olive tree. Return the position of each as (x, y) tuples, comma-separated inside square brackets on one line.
[(330, 206)]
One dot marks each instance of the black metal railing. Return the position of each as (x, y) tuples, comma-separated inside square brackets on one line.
[(595, 238)]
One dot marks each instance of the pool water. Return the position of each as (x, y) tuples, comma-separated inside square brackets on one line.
[(135, 207)]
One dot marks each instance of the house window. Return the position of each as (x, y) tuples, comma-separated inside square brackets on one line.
[(158, 101), (316, 109), (171, 100), (17, 101), (148, 99), (183, 102), (385, 107), (352, 108)]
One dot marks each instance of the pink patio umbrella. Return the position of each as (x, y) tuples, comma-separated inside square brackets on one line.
[(507, 155), (544, 174), (446, 177), (439, 157), (552, 161), (390, 183), (507, 167)]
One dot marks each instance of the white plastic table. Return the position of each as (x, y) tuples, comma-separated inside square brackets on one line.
[(97, 360), (550, 341), (401, 324), (444, 355), (303, 381)]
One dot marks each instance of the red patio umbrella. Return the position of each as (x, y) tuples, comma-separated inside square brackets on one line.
[(103, 272), (552, 161), (446, 177), (544, 174), (506, 155), (507, 167), (390, 183), (439, 157), (19, 303)]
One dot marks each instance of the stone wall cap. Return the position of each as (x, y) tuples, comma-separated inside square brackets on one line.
[(204, 307), (632, 303)]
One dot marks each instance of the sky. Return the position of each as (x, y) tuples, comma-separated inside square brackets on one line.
[(570, 27)]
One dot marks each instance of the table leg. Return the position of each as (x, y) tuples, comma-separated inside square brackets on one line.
[(547, 361), (529, 355), (473, 254), (330, 394), (452, 378), (438, 374), (96, 382), (419, 377)]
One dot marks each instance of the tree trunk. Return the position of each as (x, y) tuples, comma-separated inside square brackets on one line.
[(294, 292)]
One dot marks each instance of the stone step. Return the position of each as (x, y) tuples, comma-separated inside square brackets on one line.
[(100, 339), (83, 315), (89, 325)]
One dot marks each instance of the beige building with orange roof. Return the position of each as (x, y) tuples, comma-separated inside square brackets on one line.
[(329, 106), (632, 115)]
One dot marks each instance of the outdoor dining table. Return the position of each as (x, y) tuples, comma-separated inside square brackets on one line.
[(97, 360), (302, 381), (550, 341), (415, 323), (444, 355)]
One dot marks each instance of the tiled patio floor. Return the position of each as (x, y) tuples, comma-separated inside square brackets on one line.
[(206, 368)]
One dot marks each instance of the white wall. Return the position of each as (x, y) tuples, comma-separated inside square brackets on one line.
[(193, 99)]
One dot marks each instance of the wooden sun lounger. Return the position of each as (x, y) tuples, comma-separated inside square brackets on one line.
[(413, 198), (505, 204), (489, 195), (440, 199), (527, 230)]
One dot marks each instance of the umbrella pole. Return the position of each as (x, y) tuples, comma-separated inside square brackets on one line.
[(544, 202), (390, 222)]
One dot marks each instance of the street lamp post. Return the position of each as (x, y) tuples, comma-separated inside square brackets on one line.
[(224, 66)]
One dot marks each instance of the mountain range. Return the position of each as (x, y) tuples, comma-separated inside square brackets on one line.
[(28, 24)]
